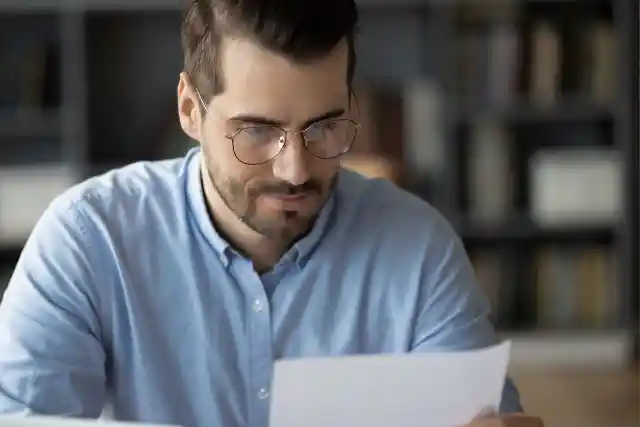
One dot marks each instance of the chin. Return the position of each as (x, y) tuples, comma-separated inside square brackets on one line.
[(284, 223)]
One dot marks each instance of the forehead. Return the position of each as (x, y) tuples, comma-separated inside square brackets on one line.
[(258, 81)]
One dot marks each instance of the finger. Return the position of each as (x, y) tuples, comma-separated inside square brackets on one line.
[(487, 417), (487, 422), (486, 413), (522, 420)]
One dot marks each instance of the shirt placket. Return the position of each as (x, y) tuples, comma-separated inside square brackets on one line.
[(259, 344)]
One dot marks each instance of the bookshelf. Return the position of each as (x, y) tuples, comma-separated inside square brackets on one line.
[(515, 119)]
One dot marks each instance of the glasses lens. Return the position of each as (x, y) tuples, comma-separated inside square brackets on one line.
[(258, 144), (330, 138)]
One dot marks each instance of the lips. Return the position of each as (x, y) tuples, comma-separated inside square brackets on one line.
[(290, 198), (289, 201)]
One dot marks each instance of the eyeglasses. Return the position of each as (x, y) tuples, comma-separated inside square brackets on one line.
[(255, 145)]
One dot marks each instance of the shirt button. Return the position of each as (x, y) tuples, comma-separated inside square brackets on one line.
[(257, 306), (263, 393)]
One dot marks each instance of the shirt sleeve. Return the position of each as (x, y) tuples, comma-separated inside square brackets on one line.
[(454, 312), (51, 357)]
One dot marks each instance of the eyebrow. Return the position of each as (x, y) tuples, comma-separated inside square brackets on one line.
[(262, 120)]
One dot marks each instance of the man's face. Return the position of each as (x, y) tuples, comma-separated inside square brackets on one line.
[(279, 198)]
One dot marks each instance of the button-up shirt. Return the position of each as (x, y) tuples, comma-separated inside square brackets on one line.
[(126, 297)]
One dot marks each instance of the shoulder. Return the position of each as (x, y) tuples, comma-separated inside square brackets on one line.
[(391, 214), (399, 232), (124, 193), (116, 209)]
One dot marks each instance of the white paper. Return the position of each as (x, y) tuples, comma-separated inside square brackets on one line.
[(412, 390)]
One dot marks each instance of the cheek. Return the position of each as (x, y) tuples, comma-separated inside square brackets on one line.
[(325, 170), (226, 169), (251, 176), (215, 145), (218, 151)]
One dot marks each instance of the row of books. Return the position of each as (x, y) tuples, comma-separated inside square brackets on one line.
[(568, 287), (541, 62), (573, 177), (30, 75), (492, 65)]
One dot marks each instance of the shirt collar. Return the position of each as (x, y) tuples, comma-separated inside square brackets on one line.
[(305, 246), (197, 202)]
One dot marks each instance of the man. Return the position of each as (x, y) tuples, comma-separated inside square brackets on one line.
[(165, 290)]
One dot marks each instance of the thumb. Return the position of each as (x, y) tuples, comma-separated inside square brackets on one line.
[(487, 412)]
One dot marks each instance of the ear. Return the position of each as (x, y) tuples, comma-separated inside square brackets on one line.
[(188, 109)]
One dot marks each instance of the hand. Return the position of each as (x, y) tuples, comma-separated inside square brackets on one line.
[(507, 420)]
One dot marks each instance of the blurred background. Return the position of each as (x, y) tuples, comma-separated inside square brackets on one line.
[(518, 119)]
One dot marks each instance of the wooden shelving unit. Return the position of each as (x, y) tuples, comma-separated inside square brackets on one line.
[(107, 97)]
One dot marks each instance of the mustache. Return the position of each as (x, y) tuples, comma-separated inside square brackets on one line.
[(287, 189)]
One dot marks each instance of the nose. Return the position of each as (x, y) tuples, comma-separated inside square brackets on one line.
[(292, 164)]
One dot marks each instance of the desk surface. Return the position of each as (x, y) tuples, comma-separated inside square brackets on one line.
[(582, 398)]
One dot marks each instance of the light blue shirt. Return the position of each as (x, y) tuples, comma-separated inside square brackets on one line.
[(125, 296)]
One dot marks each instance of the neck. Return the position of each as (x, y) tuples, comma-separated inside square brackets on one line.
[(264, 252)]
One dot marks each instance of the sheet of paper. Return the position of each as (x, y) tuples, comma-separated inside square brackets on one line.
[(413, 390)]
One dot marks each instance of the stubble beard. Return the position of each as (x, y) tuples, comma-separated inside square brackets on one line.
[(284, 227)]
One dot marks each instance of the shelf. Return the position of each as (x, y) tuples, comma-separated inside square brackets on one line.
[(403, 3), (36, 124), (124, 5), (82, 5), (526, 112), (570, 349), (524, 229), (30, 5), (401, 40), (52, 5)]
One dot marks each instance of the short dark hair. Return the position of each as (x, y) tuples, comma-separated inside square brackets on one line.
[(303, 30)]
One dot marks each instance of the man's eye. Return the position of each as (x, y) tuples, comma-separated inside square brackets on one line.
[(259, 131), (324, 126)]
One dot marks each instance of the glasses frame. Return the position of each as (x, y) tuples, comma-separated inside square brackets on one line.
[(231, 137)]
